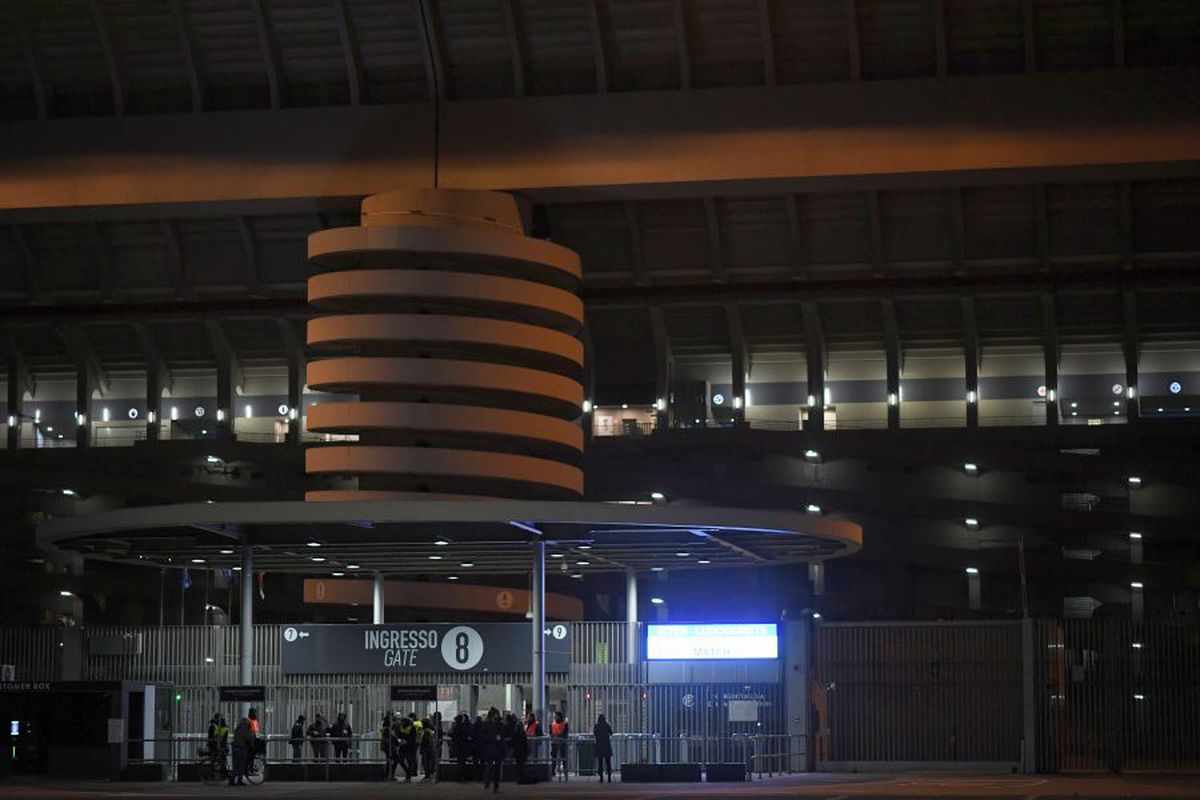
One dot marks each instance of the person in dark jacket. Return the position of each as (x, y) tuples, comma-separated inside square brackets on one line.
[(317, 733), (296, 739), (460, 736), (477, 740), (339, 734), (493, 749), (603, 733), (518, 744)]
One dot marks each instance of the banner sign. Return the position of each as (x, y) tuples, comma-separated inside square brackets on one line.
[(243, 694), (24, 687), (417, 648), (715, 641), (403, 694)]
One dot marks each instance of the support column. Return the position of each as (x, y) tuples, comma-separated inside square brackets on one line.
[(16, 406), (631, 616), (892, 368), (1050, 349), (816, 576), (814, 347), (538, 673), (83, 406), (1129, 347), (153, 403), (246, 660), (225, 400), (295, 399), (377, 600), (1028, 700), (971, 361)]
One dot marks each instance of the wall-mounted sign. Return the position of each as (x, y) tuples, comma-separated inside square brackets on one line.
[(243, 694), (403, 694), (712, 641), (483, 647), (1175, 387)]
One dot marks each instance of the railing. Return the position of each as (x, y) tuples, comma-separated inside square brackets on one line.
[(762, 755)]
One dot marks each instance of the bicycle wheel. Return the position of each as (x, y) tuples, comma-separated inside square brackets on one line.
[(258, 770), (209, 774)]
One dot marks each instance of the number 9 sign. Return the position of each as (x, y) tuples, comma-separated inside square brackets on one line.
[(462, 647)]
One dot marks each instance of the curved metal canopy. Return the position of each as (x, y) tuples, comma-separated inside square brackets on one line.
[(441, 537)]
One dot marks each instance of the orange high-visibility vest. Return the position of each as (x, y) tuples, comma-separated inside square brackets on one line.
[(558, 728)]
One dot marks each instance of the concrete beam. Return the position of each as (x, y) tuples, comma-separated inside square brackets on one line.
[(749, 140)]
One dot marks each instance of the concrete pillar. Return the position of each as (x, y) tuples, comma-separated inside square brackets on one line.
[(973, 591), (631, 616), (538, 676), (153, 403), (295, 400), (1137, 600), (816, 576), (83, 409), (1028, 699), (16, 405), (246, 661), (226, 395), (377, 600), (797, 658)]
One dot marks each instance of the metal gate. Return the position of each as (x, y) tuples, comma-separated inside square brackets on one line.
[(1117, 694), (899, 693)]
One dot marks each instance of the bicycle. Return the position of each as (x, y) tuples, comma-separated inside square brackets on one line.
[(256, 771), (213, 771)]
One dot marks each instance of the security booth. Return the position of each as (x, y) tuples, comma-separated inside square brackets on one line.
[(85, 729)]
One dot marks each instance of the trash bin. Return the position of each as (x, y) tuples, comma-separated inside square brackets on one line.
[(585, 753)]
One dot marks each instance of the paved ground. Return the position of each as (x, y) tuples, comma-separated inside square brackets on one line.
[(817, 787)]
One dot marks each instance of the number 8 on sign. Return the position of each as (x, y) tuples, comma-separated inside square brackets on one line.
[(462, 647)]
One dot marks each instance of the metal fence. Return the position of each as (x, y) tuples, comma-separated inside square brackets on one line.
[(1094, 694), (1117, 694), (917, 692)]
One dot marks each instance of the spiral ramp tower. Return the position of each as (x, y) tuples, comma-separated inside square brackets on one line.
[(454, 337)]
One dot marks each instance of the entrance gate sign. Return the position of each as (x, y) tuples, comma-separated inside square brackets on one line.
[(404, 694), (709, 642), (419, 648)]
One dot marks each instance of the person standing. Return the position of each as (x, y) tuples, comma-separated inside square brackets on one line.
[(477, 740), (560, 729), (428, 748), (296, 739), (340, 734), (257, 745), (243, 748), (317, 733), (493, 750), (387, 745), (519, 745), (533, 735), (459, 738), (406, 746), (603, 733), (218, 739)]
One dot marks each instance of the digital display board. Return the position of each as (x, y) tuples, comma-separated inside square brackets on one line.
[(711, 641)]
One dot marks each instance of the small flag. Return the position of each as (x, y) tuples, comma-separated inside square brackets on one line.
[(186, 580)]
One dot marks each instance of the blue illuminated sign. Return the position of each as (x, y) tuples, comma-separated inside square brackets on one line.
[(1175, 388), (712, 641)]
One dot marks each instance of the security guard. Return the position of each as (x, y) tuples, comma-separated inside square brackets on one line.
[(407, 736), (218, 738)]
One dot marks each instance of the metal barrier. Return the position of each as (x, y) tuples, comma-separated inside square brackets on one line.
[(762, 755)]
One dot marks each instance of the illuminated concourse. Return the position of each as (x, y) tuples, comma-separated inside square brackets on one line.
[(451, 354)]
